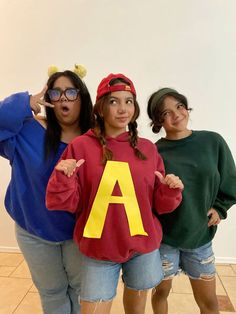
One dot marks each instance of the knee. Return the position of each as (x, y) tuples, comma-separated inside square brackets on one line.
[(53, 291), (209, 304), (162, 291)]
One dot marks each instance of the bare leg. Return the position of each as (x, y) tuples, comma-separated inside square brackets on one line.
[(99, 307), (134, 301), (159, 297), (204, 291)]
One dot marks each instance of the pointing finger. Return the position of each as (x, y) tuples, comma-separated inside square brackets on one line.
[(160, 176), (42, 93), (45, 103), (80, 162)]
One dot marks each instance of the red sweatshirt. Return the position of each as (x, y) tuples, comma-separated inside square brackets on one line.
[(115, 203)]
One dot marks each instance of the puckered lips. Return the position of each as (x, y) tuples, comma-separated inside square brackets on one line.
[(65, 110)]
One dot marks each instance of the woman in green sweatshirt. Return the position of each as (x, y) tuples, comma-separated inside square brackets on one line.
[(205, 164)]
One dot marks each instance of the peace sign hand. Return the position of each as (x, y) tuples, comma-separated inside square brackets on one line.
[(68, 166), (171, 180), (37, 100)]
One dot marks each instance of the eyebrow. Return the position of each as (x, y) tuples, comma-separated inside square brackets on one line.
[(63, 89), (179, 102), (129, 97)]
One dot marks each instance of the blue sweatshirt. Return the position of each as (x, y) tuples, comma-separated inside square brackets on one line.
[(22, 143)]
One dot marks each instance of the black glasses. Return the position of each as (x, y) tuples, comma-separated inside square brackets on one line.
[(70, 93)]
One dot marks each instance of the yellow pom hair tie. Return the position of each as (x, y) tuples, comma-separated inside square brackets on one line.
[(52, 69), (79, 69)]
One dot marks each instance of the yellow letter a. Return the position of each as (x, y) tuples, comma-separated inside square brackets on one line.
[(114, 172)]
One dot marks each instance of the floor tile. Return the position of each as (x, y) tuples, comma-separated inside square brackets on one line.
[(33, 288), (30, 305), (5, 271), (234, 267), (12, 291), (22, 271), (220, 290), (10, 259), (230, 287), (225, 303), (225, 270)]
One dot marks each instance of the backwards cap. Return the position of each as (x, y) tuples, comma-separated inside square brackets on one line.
[(105, 88)]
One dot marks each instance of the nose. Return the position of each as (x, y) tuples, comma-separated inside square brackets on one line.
[(122, 106), (175, 114), (63, 97)]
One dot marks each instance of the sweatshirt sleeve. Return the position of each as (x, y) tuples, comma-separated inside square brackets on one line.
[(166, 199), (63, 192), (226, 196), (14, 111)]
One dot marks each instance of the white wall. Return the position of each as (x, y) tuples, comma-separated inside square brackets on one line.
[(186, 44)]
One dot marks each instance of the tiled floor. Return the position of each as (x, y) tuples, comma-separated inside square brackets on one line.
[(18, 294)]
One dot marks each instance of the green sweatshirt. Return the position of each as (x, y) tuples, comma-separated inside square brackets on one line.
[(205, 164)]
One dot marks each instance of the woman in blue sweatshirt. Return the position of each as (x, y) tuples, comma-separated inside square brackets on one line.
[(33, 145)]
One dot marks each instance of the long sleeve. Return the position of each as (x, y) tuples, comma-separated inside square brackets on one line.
[(14, 110), (226, 195), (166, 199), (62, 191)]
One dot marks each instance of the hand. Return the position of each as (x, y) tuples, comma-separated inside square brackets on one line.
[(68, 166), (214, 218), (37, 100), (171, 180)]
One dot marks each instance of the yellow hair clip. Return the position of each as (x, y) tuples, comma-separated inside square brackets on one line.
[(52, 69), (79, 69)]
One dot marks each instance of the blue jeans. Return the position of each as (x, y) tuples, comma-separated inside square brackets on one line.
[(55, 272), (99, 279), (193, 262)]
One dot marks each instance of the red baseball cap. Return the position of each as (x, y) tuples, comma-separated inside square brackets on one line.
[(105, 88)]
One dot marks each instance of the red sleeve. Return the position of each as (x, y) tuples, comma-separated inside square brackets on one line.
[(166, 199), (63, 192)]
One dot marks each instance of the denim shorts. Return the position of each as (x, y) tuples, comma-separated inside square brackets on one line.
[(100, 278), (196, 263)]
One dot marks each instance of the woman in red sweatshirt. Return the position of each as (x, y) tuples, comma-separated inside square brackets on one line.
[(115, 182)]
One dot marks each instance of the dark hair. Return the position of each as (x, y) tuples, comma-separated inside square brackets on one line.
[(155, 110), (53, 131), (99, 128)]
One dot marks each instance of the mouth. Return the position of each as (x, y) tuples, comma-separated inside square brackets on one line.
[(178, 122), (64, 108), (122, 119)]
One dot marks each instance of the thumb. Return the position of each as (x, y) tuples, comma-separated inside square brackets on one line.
[(80, 162), (160, 176), (210, 211)]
